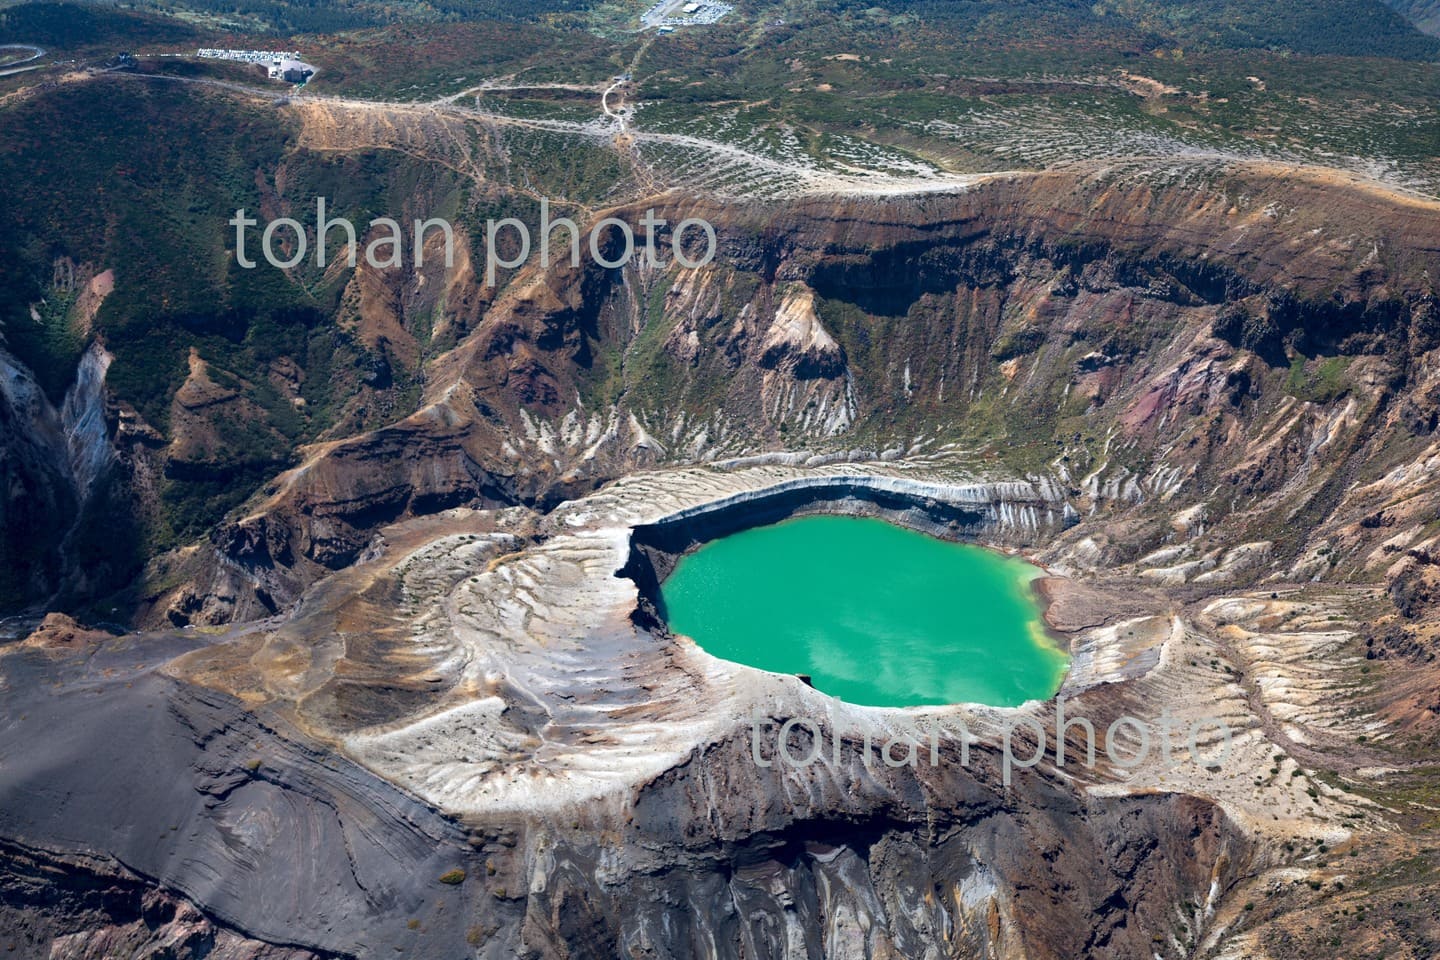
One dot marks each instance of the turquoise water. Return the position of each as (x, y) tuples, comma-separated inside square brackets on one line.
[(876, 614)]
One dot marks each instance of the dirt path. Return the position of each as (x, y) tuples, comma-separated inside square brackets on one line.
[(760, 175), (810, 179)]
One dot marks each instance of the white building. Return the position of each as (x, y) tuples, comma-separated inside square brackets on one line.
[(291, 71)]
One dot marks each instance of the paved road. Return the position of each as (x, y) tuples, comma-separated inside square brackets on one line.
[(622, 114), (35, 54)]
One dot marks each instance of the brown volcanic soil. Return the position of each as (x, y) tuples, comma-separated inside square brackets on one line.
[(1038, 273), (61, 633), (1072, 606), (1067, 327), (1045, 268)]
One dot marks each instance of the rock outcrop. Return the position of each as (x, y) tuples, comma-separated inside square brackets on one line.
[(425, 670), (1092, 331)]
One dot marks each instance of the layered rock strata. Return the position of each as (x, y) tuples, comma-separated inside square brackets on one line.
[(588, 784)]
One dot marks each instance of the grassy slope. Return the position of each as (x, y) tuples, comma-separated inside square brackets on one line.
[(1425, 14), (73, 27), (149, 197), (323, 16), (987, 90)]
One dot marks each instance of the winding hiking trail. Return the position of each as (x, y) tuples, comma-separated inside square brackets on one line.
[(734, 162), (660, 161)]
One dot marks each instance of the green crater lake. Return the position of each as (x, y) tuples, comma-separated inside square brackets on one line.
[(876, 614)]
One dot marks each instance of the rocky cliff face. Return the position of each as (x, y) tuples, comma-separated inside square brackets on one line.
[(1210, 405), (103, 911), (479, 747), (604, 790), (1202, 345), (57, 461), (38, 493)]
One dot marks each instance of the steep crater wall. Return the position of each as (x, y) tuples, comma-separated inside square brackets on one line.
[(1125, 339), (1010, 513)]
